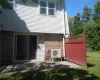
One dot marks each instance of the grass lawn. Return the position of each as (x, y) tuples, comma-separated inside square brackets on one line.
[(93, 59), (90, 73)]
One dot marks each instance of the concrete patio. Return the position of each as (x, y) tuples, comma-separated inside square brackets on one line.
[(25, 67)]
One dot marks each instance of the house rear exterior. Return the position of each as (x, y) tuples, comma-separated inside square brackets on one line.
[(30, 30)]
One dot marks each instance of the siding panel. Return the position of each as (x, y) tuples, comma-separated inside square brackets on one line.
[(26, 18)]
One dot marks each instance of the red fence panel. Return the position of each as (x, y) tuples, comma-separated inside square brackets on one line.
[(76, 49)]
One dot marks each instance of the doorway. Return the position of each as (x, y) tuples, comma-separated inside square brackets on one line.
[(25, 47), (32, 47)]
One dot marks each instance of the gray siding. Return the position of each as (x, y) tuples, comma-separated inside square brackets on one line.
[(26, 18)]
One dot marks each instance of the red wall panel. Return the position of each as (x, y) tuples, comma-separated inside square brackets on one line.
[(76, 50)]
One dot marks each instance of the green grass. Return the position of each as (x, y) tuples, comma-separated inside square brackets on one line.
[(93, 59), (92, 72)]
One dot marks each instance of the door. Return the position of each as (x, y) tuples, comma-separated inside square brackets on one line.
[(25, 47), (32, 47), (21, 48)]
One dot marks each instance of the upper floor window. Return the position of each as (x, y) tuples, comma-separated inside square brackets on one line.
[(47, 8), (42, 7), (51, 8)]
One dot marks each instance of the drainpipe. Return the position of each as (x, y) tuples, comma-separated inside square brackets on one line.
[(63, 6), (66, 27)]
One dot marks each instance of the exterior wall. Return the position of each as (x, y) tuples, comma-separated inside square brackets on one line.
[(6, 43), (45, 43), (40, 48), (53, 41), (26, 18)]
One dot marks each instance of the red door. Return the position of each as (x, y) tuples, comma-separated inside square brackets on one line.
[(76, 49)]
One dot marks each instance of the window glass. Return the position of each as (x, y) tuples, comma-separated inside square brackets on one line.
[(42, 4), (51, 5), (51, 11), (47, 7), (42, 10)]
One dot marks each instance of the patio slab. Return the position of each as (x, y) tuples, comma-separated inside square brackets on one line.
[(36, 65)]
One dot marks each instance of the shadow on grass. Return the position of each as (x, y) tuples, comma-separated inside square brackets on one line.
[(45, 71), (90, 65)]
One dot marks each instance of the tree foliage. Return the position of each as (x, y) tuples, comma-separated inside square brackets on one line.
[(86, 16), (96, 14), (93, 35), (71, 22), (89, 23), (2, 2), (77, 26)]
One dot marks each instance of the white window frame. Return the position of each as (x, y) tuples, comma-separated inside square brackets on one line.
[(42, 7), (51, 8), (47, 8)]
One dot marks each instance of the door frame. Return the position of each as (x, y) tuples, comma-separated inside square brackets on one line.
[(28, 52)]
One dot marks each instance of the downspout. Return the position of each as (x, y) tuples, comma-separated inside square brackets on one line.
[(66, 34), (63, 6)]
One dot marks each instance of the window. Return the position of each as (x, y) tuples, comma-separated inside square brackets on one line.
[(51, 8), (47, 8), (42, 7)]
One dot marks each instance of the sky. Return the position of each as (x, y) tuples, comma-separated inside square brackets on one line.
[(76, 6)]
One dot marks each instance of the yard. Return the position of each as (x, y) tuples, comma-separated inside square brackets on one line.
[(90, 73)]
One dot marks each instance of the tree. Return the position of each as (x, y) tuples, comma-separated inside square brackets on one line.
[(93, 35), (86, 16), (77, 26), (96, 15), (2, 2), (71, 23), (89, 24)]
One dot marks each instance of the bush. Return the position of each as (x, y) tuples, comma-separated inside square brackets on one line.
[(92, 31)]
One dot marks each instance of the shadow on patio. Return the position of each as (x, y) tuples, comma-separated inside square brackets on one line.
[(45, 71)]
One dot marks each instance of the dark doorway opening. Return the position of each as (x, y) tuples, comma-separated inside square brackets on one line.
[(25, 47), (32, 46)]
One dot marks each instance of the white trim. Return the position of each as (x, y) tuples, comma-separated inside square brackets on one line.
[(46, 7), (63, 21), (52, 8), (42, 7)]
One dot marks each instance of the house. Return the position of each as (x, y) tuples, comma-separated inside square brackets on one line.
[(30, 30)]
